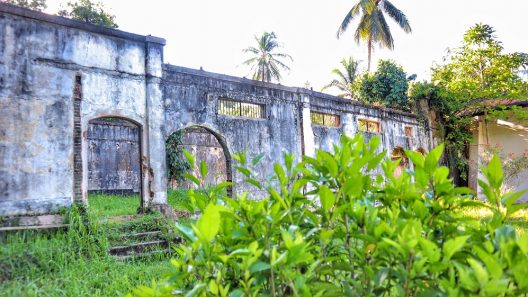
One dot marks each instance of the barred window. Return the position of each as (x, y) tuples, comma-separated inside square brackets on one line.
[(408, 131), (241, 109), (369, 126), (324, 119)]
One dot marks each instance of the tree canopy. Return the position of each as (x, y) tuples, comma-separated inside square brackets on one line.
[(373, 27), (388, 85), (347, 79), (266, 63), (38, 5), (480, 69), (90, 12)]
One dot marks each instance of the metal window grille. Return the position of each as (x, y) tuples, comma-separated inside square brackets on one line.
[(325, 119), (241, 109), (369, 126)]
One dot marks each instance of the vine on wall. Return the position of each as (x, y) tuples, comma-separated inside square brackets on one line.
[(177, 164)]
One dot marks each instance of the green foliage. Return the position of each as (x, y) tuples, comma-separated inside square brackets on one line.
[(38, 5), (265, 62), (347, 81), (74, 261), (333, 225), (90, 12), (372, 27), (477, 70), (177, 164), (388, 85), (480, 69)]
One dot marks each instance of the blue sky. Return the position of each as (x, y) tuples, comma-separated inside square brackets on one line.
[(212, 33)]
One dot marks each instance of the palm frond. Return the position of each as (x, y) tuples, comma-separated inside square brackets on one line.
[(397, 15), (385, 36), (348, 18)]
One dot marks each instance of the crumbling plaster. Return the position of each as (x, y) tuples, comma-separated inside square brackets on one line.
[(123, 75)]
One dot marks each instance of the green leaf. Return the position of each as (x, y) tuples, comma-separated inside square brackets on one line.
[(189, 157), (187, 232), (491, 263), (454, 245), (281, 175), (257, 159), (495, 172), (203, 169), (209, 223), (192, 178), (416, 158), (243, 170), (327, 198), (430, 249), (328, 162), (259, 266), (432, 159), (480, 271)]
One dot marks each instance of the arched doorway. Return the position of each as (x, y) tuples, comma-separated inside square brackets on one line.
[(114, 163), (204, 145)]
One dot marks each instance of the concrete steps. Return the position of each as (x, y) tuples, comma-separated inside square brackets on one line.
[(142, 245)]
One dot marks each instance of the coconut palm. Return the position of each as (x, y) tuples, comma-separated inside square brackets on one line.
[(266, 64), (373, 27), (346, 80)]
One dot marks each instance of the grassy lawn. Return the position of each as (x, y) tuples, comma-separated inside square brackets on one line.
[(519, 220), (114, 205), (74, 262)]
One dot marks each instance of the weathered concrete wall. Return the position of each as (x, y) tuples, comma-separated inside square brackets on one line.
[(114, 157), (510, 140), (57, 75), (191, 98), (393, 123), (42, 59), (205, 147)]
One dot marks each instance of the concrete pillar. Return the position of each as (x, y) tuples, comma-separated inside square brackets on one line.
[(307, 132), (156, 192)]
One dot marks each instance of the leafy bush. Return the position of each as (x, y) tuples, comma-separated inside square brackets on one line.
[(388, 85), (333, 226)]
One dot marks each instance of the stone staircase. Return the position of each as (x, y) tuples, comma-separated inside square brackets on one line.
[(138, 245)]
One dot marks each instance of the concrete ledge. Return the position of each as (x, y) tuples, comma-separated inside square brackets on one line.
[(296, 90), (62, 21), (33, 206)]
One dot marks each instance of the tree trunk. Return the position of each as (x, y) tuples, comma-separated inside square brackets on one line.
[(369, 53)]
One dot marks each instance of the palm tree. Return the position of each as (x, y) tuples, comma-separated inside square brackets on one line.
[(347, 80), (373, 27), (265, 63)]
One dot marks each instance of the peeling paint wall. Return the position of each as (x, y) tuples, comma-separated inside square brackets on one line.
[(192, 98), (40, 57), (44, 147), (204, 146)]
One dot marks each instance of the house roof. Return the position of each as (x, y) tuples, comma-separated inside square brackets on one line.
[(480, 106)]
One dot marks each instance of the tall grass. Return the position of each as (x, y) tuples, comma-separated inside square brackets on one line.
[(72, 262), (113, 205)]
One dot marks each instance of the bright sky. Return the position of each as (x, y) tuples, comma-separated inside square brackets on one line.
[(212, 33)]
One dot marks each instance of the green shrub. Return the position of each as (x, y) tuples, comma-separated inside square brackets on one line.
[(334, 226)]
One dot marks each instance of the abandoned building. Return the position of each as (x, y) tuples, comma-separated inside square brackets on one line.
[(86, 108)]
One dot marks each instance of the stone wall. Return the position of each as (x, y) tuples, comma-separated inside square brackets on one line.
[(192, 99), (57, 75), (205, 147)]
